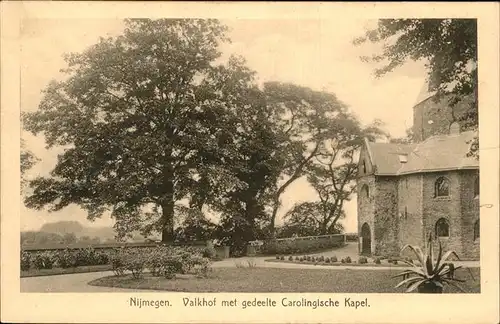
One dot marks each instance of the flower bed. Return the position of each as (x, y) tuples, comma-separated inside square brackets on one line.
[(334, 261)]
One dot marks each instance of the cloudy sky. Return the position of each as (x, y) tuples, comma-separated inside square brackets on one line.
[(314, 53)]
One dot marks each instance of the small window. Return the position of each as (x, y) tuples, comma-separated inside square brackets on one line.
[(476, 187), (476, 230), (364, 167), (365, 191), (442, 228), (442, 187)]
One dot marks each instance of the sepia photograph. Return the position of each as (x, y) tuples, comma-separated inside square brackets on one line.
[(209, 170), (310, 163)]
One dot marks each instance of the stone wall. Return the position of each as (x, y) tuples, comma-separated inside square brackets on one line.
[(366, 205), (410, 200), (386, 225), (439, 113), (470, 214), (448, 208)]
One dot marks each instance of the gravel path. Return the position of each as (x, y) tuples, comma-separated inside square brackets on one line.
[(79, 282)]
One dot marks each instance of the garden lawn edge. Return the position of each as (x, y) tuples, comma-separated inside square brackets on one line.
[(68, 271)]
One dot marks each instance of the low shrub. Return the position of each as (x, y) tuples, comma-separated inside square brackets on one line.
[(209, 252), (377, 261), (362, 260), (290, 258), (239, 264), (327, 260), (251, 263), (25, 261), (66, 259), (333, 259), (301, 259), (308, 258), (342, 260), (117, 263), (321, 258), (43, 260), (277, 257), (297, 258), (135, 262), (282, 257), (348, 260)]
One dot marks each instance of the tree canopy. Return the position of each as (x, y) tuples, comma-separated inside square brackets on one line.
[(155, 130), (134, 114)]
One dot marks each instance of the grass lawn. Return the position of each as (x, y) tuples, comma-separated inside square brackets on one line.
[(59, 271), (280, 280)]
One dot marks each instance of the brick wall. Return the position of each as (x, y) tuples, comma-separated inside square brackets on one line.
[(441, 115), (410, 196), (386, 226)]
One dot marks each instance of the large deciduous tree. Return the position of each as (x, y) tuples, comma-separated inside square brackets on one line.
[(136, 115), (332, 174), (303, 118), (449, 48)]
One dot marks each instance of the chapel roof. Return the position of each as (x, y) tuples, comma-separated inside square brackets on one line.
[(436, 153)]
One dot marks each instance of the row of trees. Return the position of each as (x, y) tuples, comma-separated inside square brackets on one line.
[(154, 129), (41, 238)]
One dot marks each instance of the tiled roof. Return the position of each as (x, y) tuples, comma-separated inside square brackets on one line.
[(385, 156), (437, 153)]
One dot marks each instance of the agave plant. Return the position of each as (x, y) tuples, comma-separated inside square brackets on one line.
[(429, 275)]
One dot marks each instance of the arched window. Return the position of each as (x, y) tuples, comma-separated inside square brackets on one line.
[(364, 167), (365, 191), (476, 187), (476, 230), (442, 187), (442, 228)]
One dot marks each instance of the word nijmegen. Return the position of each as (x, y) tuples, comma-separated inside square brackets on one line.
[(269, 302)]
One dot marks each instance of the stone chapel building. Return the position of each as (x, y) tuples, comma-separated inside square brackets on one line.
[(406, 191)]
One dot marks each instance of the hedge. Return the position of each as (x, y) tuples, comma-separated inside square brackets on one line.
[(294, 246)]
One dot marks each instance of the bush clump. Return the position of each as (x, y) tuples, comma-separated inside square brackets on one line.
[(43, 261), (25, 261), (290, 258), (327, 260), (377, 261), (362, 260), (348, 260), (333, 259)]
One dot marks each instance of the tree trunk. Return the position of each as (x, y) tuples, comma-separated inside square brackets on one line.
[(167, 217)]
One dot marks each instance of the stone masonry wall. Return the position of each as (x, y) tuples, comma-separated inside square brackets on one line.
[(444, 207), (470, 214), (441, 115), (366, 206), (410, 197), (386, 225)]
